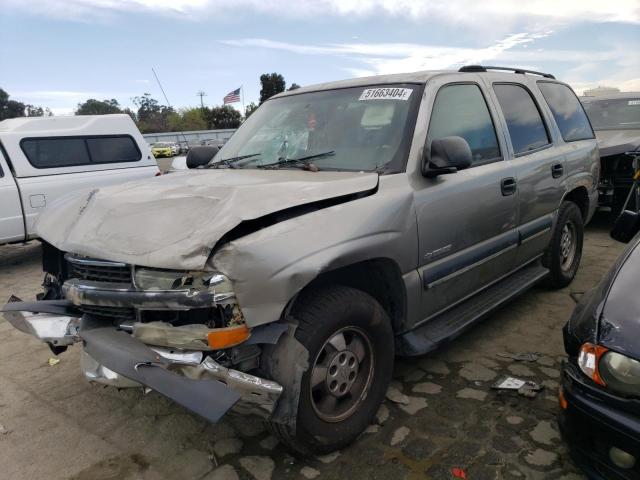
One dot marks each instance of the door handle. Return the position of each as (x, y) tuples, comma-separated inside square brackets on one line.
[(557, 170), (508, 186)]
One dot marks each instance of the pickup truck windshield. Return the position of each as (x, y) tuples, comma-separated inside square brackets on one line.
[(364, 128), (616, 114)]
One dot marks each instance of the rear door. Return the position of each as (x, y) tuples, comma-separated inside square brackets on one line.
[(540, 166), (466, 220), (11, 219)]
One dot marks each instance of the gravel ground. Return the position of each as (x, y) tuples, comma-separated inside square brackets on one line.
[(439, 414)]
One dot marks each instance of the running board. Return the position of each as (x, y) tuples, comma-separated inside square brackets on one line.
[(456, 320)]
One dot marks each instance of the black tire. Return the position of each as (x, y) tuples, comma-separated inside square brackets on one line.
[(563, 268), (322, 314)]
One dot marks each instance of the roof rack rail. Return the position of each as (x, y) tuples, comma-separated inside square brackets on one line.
[(483, 68)]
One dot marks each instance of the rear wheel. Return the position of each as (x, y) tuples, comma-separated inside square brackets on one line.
[(350, 346), (563, 254)]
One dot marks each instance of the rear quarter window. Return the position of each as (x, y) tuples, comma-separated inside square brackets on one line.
[(79, 151), (567, 111)]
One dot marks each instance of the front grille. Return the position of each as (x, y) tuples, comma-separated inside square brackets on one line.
[(98, 270), (121, 313)]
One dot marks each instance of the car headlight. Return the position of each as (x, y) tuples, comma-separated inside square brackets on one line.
[(620, 373), (156, 279)]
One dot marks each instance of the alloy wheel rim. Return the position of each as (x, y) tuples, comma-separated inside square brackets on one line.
[(341, 374), (568, 246)]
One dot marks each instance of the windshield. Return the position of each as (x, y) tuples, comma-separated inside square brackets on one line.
[(356, 129), (616, 114), (162, 145)]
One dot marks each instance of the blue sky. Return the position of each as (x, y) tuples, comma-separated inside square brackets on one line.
[(58, 53)]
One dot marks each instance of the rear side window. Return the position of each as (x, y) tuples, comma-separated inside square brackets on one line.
[(567, 111), (524, 122), (78, 151), (113, 150), (461, 110)]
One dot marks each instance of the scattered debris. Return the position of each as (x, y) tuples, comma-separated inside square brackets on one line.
[(526, 388), (53, 361), (4, 430), (458, 473), (521, 357)]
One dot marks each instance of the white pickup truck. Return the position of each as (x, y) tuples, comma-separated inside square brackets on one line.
[(42, 159)]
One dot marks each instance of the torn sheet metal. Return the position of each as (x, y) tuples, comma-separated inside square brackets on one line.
[(125, 355), (173, 221)]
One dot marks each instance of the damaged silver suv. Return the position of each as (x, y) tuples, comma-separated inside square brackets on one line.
[(343, 224)]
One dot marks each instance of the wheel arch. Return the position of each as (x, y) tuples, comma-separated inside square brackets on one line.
[(579, 196), (379, 277)]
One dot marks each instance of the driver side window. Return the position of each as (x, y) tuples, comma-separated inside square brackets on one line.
[(461, 110)]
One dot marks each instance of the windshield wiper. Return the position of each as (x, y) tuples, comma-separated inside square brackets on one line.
[(302, 162), (229, 162)]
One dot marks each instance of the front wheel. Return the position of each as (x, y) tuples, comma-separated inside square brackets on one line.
[(564, 252), (349, 343)]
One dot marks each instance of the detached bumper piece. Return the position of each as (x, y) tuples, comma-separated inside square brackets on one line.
[(115, 357), (601, 430), (55, 322)]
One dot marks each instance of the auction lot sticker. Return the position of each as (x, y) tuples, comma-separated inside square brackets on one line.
[(385, 94)]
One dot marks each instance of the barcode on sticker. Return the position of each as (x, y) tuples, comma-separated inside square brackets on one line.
[(385, 94), (634, 102)]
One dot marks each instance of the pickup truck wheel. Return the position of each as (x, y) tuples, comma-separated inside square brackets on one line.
[(350, 345), (563, 254)]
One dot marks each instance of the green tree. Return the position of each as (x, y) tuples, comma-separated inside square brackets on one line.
[(188, 119), (272, 84), (98, 107), (152, 117), (250, 109), (223, 117), (10, 108)]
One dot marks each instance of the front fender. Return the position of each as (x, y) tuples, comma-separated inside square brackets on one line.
[(270, 266)]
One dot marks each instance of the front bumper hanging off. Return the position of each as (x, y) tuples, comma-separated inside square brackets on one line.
[(114, 357)]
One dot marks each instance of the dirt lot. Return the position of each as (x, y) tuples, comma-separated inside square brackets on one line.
[(440, 412)]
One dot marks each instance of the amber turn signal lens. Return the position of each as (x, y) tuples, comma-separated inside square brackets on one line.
[(227, 337), (561, 400), (588, 361)]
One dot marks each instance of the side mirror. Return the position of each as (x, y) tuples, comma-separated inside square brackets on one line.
[(446, 155), (200, 156), (626, 226)]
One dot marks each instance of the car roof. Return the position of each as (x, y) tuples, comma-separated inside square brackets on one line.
[(421, 77), (68, 125), (609, 96)]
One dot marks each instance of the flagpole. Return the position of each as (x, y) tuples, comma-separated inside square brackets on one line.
[(244, 111)]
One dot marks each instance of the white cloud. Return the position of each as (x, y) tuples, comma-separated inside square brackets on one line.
[(471, 12), (612, 66)]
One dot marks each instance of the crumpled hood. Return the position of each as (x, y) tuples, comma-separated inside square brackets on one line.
[(613, 142), (173, 221)]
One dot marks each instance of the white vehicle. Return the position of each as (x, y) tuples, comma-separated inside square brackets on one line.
[(42, 159)]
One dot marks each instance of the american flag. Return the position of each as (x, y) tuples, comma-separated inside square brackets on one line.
[(232, 97)]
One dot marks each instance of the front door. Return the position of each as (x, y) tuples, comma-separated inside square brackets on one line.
[(466, 220)]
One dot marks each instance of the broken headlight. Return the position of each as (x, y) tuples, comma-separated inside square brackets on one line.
[(620, 373), (156, 279)]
